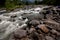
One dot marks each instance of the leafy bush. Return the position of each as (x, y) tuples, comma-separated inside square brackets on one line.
[(9, 5)]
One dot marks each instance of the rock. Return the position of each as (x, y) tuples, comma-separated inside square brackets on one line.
[(55, 32), (43, 28), (32, 29), (49, 38), (58, 37), (13, 16), (34, 22), (20, 34), (34, 16), (25, 38), (41, 37), (49, 21), (54, 36), (34, 36)]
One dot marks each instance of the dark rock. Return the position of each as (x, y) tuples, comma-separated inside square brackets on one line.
[(58, 38), (13, 16), (34, 36)]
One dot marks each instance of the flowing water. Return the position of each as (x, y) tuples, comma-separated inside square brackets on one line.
[(9, 22)]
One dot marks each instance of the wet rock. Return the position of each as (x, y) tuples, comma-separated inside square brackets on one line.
[(20, 33), (49, 38), (34, 22), (34, 16), (13, 16), (43, 28)]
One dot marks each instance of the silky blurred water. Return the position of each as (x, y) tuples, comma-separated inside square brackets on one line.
[(7, 27)]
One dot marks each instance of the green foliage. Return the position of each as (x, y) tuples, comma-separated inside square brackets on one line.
[(9, 4), (49, 2), (12, 4)]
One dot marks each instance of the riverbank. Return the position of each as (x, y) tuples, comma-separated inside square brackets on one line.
[(30, 22)]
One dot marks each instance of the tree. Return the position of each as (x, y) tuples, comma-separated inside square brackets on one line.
[(58, 2), (2, 3), (49, 2)]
